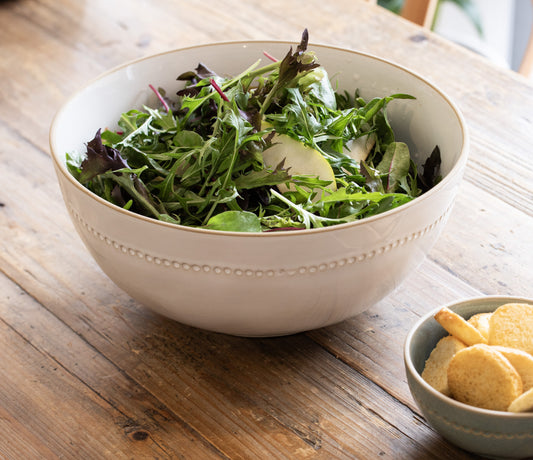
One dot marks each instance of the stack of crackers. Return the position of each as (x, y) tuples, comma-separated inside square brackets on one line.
[(486, 361)]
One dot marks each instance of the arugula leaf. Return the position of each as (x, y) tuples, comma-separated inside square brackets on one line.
[(255, 179), (308, 219), (308, 124)]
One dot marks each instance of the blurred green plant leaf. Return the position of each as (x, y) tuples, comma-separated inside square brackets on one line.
[(468, 7)]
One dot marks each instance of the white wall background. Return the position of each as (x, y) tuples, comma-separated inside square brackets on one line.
[(506, 28)]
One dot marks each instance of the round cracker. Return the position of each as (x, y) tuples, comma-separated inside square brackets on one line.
[(521, 361), (524, 403), (435, 371), (511, 325), (481, 322), (481, 376)]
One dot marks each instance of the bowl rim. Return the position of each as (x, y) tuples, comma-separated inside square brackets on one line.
[(456, 169), (410, 367)]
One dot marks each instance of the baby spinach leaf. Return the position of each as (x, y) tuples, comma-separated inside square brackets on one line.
[(185, 138), (235, 221)]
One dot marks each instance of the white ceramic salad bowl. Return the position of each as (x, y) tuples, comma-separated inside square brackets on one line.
[(261, 284)]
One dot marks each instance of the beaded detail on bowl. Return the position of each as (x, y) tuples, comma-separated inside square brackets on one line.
[(247, 272)]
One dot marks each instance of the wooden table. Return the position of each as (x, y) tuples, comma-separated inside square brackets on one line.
[(87, 373)]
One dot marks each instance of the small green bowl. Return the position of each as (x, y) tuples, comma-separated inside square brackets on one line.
[(491, 434)]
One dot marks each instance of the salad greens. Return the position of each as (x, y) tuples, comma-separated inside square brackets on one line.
[(197, 160)]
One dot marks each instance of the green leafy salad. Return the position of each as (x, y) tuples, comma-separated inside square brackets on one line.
[(273, 148)]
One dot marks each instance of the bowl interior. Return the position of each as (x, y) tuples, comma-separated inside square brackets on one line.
[(431, 119)]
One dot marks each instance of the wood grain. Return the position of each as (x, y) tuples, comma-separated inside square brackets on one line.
[(89, 373)]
